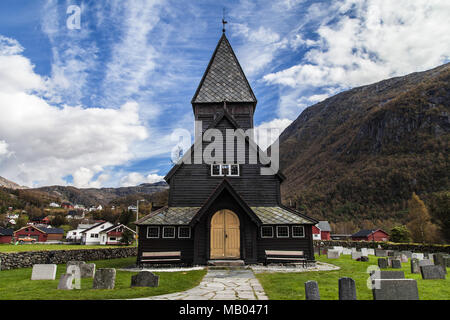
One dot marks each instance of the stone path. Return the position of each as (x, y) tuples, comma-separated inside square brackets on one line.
[(234, 284)]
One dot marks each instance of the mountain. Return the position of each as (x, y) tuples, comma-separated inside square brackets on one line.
[(9, 184), (96, 196), (361, 153)]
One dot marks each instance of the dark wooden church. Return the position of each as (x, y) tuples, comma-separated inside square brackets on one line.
[(226, 210)]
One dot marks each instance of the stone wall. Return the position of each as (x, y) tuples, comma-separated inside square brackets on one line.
[(16, 260), (414, 247)]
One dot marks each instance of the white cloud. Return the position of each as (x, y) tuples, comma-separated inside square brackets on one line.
[(135, 178), (267, 132), (381, 39), (47, 143)]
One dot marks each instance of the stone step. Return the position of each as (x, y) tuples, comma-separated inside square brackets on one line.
[(226, 263)]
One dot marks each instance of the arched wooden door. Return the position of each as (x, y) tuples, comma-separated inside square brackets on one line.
[(225, 235)]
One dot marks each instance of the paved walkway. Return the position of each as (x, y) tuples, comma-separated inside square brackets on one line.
[(217, 284)]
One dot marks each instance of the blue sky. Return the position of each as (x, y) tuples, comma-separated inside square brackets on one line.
[(96, 106)]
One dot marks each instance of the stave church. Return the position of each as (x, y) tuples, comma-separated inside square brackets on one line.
[(226, 210)]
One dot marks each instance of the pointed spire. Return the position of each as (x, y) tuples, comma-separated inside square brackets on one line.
[(224, 79)]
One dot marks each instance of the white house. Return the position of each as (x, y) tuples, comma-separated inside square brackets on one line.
[(113, 234), (75, 235), (92, 234), (54, 205)]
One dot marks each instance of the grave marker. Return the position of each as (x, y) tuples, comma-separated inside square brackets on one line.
[(104, 278), (415, 268), (43, 272), (396, 264), (382, 263), (87, 270), (65, 282), (432, 272), (145, 279), (347, 289), (395, 289), (312, 290), (356, 255), (333, 254), (387, 275)]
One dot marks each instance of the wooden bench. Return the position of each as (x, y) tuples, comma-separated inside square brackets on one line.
[(285, 255), (160, 257)]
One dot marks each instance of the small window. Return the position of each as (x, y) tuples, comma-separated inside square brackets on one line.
[(225, 169), (184, 232), (112, 239), (266, 232), (282, 232), (92, 235), (234, 170), (96, 235), (215, 170), (298, 232), (169, 232), (152, 232)]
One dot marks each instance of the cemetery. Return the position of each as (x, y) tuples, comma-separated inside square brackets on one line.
[(398, 275)]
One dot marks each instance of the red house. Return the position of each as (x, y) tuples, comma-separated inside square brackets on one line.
[(6, 235), (39, 234), (321, 231), (370, 235)]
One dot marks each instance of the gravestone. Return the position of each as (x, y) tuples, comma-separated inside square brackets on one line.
[(403, 258), (104, 278), (396, 264), (43, 272), (333, 254), (408, 254), (145, 279), (371, 252), (338, 248), (395, 289), (65, 282), (425, 262), (312, 290), (382, 263), (439, 260), (431, 256), (364, 259), (347, 289), (418, 256), (353, 250), (87, 270), (391, 253), (415, 268), (74, 263), (432, 272), (346, 251), (380, 253), (364, 252), (356, 255)]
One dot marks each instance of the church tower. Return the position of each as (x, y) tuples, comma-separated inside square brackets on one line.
[(225, 209)]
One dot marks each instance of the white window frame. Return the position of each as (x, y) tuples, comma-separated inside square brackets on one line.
[(220, 170), (148, 228), (174, 232), (179, 229), (303, 231), (287, 228), (271, 228)]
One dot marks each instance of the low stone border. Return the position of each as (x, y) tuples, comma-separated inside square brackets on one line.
[(170, 269), (319, 266), (15, 260)]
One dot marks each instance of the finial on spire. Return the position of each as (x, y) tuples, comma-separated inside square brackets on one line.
[(223, 21)]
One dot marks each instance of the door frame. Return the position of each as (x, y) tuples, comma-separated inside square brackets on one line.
[(209, 236)]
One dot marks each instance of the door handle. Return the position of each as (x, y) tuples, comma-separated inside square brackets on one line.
[(226, 235)]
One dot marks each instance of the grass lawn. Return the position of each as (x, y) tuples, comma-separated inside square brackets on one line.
[(291, 286), (7, 248), (16, 284)]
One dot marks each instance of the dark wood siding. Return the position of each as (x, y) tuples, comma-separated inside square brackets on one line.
[(303, 244), (186, 246)]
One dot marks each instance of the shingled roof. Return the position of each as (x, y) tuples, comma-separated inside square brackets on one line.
[(224, 79)]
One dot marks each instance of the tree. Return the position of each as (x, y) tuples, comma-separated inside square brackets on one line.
[(127, 237), (420, 226), (400, 234), (21, 222), (59, 220)]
